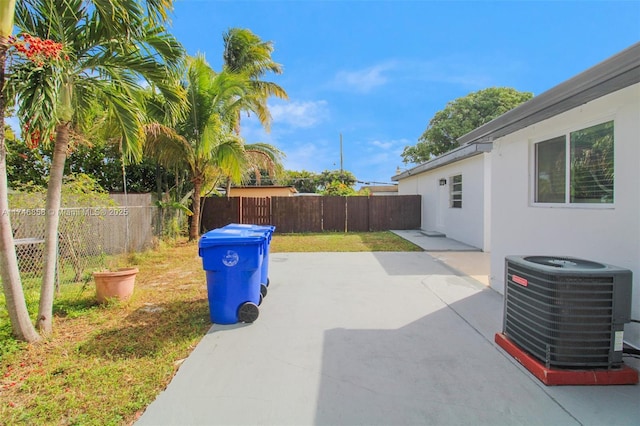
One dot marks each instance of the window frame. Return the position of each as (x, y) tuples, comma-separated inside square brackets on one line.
[(453, 192), (566, 134)]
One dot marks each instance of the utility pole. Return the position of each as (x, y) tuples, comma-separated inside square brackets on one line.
[(346, 204), (340, 153)]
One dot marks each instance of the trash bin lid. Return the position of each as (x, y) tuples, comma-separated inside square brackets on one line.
[(267, 228), (219, 237)]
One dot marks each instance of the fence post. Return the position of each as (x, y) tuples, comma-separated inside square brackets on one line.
[(346, 215)]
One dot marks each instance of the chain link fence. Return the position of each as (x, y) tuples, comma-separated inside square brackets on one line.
[(87, 236)]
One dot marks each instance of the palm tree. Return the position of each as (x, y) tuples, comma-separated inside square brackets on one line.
[(12, 286), (245, 52), (108, 50), (203, 142)]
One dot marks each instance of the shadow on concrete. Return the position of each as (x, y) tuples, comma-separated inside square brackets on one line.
[(414, 263), (444, 369)]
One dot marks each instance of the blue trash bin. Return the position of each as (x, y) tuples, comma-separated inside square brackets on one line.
[(232, 261), (268, 231)]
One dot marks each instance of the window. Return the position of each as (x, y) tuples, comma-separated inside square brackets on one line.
[(584, 176), (455, 195)]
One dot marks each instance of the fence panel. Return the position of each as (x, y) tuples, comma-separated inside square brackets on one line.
[(398, 212), (219, 211), (334, 215), (315, 214), (85, 236), (256, 210), (358, 214), (296, 214)]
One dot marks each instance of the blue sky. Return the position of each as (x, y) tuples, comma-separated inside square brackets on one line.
[(377, 71)]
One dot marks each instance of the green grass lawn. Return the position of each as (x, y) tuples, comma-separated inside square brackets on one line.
[(340, 242), (104, 364)]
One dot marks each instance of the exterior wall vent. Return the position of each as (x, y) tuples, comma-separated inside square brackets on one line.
[(567, 312)]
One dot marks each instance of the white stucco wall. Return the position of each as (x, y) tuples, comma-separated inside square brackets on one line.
[(607, 233), (466, 224)]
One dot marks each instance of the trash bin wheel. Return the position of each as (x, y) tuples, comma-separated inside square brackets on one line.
[(268, 281), (263, 290), (260, 301), (248, 312)]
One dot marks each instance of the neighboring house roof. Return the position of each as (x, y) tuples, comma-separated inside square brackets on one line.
[(377, 189), (263, 190), (617, 72)]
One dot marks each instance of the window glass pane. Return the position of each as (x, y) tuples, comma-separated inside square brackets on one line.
[(455, 198), (550, 170), (592, 164)]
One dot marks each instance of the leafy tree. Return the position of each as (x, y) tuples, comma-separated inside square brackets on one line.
[(26, 165), (459, 117), (77, 52), (303, 181), (328, 177), (338, 188), (102, 161)]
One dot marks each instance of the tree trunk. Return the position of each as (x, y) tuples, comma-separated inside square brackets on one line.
[(11, 284), (54, 195), (194, 229)]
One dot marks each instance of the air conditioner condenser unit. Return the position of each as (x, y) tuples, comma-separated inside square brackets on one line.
[(567, 312)]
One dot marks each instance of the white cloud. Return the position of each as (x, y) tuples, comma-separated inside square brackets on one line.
[(312, 156), (379, 160), (383, 145), (466, 70), (364, 80), (300, 114)]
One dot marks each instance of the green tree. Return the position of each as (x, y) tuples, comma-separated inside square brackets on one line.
[(246, 53), (21, 324), (203, 143), (304, 181), (459, 117), (101, 160), (338, 188), (328, 177), (98, 51)]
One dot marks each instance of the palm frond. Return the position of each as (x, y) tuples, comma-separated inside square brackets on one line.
[(167, 146), (127, 111)]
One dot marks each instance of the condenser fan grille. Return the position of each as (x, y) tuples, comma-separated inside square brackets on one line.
[(565, 319)]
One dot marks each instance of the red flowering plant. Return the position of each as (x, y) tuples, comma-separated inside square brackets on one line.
[(33, 65)]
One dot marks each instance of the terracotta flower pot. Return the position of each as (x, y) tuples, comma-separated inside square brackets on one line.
[(114, 284)]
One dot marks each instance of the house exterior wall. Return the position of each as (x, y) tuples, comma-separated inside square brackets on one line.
[(466, 224), (604, 233)]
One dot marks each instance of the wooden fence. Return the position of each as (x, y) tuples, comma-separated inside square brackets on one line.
[(315, 214)]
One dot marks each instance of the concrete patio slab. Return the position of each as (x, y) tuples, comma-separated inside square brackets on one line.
[(433, 243), (372, 339), (465, 259)]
